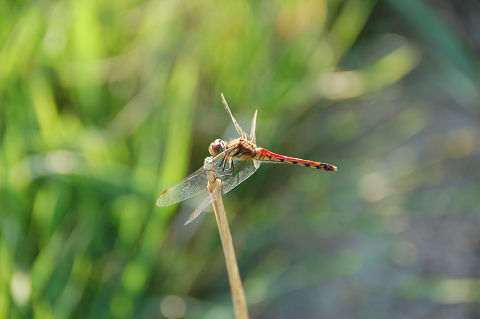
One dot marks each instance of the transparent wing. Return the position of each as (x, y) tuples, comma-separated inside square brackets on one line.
[(239, 129), (242, 171), (253, 139), (193, 184), (200, 208), (190, 186), (196, 183), (230, 180)]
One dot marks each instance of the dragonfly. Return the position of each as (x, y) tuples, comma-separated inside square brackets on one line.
[(233, 163)]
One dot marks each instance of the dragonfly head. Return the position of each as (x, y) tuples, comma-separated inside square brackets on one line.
[(216, 147)]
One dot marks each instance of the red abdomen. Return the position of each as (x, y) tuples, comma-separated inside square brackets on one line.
[(267, 156)]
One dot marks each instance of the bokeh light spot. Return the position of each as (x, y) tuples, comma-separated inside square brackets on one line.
[(454, 291), (21, 288), (60, 162), (173, 307), (374, 186), (341, 85), (257, 289)]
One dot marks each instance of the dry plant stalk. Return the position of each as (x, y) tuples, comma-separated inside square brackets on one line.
[(238, 294)]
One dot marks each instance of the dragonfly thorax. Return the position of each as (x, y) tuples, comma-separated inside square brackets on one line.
[(217, 147)]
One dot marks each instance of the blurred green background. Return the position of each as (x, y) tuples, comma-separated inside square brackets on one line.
[(104, 104)]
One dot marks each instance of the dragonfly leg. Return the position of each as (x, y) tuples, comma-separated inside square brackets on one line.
[(224, 164), (221, 162), (232, 167)]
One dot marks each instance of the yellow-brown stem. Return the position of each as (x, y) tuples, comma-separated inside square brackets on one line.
[(236, 287)]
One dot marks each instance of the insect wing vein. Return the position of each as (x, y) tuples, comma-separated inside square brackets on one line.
[(190, 186)]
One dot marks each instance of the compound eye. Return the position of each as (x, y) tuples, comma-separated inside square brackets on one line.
[(216, 147)]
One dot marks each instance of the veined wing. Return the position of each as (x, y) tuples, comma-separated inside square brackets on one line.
[(190, 186), (196, 183), (239, 129), (243, 170)]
